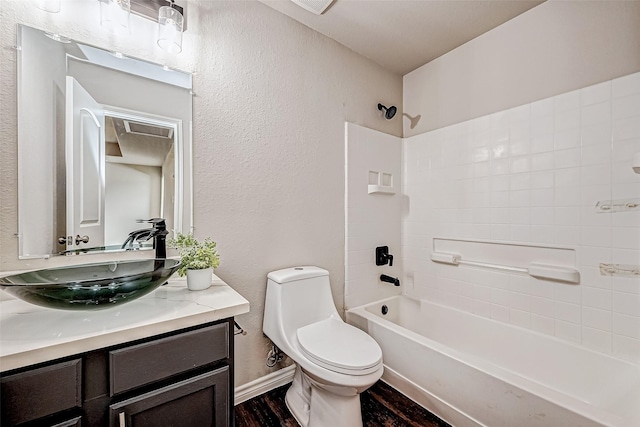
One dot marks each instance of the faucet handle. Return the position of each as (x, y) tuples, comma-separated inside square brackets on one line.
[(157, 222), (383, 257)]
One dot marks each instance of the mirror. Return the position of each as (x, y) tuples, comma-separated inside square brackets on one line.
[(103, 140)]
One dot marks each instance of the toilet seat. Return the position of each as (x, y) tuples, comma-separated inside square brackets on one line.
[(339, 347)]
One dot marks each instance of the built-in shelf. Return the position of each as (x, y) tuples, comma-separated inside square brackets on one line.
[(381, 189)]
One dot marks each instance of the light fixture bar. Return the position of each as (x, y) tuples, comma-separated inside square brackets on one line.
[(149, 9)]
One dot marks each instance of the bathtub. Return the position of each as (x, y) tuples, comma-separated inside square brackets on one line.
[(473, 371)]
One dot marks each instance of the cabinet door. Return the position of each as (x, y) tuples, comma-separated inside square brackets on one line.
[(199, 401)]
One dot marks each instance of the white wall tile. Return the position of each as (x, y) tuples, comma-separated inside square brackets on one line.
[(595, 135), (626, 284), (520, 164), (541, 143), (569, 177), (596, 318), (566, 120), (566, 196), (596, 154), (566, 215), (591, 277), (567, 312), (570, 138), (543, 306), (595, 236), (624, 303), (541, 126), (541, 179), (626, 325), (532, 175), (626, 85), (625, 237), (542, 196), (567, 101), (593, 256), (596, 298), (543, 215), (595, 94), (543, 107), (626, 128), (567, 235), (567, 293), (596, 114), (627, 106), (541, 162), (597, 339)]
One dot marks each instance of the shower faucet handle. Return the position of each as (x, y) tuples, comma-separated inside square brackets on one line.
[(383, 257)]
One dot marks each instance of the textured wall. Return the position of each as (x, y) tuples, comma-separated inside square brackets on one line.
[(271, 100), (553, 48)]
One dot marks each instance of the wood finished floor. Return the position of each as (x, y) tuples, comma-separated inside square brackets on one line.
[(382, 406)]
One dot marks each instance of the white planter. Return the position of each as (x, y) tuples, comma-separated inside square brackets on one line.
[(199, 280)]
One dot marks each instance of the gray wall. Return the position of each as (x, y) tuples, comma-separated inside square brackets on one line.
[(553, 48), (271, 100)]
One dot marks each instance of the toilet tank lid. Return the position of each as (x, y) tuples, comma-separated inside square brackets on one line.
[(296, 273)]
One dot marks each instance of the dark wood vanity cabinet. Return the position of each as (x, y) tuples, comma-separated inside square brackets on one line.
[(182, 378)]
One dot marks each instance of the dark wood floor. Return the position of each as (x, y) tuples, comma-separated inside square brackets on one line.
[(381, 406)]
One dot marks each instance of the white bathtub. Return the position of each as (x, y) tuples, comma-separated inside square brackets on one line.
[(473, 371)]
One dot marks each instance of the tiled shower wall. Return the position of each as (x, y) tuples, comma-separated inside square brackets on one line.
[(533, 175)]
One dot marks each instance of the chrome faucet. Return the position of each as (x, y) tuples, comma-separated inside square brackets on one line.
[(158, 233)]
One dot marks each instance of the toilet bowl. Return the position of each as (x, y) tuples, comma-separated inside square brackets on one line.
[(335, 362)]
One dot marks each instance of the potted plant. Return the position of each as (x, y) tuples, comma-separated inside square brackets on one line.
[(198, 260)]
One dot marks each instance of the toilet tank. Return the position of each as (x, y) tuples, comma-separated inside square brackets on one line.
[(296, 297)]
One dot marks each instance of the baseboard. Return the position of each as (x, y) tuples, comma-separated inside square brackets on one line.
[(263, 384)]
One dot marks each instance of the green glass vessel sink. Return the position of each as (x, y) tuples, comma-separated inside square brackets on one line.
[(90, 286)]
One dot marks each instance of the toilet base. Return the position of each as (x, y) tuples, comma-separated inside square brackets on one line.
[(314, 404)]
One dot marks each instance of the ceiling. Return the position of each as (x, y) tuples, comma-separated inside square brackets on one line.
[(402, 35)]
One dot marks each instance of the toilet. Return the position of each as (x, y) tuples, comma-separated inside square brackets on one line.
[(335, 362)]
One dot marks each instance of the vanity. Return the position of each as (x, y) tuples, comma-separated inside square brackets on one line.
[(163, 359)]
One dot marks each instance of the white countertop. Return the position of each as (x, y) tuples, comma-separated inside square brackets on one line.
[(30, 334)]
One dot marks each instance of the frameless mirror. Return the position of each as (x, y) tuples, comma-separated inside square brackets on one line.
[(103, 140)]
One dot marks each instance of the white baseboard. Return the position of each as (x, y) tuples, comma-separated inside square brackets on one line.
[(263, 384)]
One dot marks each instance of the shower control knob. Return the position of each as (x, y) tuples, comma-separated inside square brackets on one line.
[(383, 257)]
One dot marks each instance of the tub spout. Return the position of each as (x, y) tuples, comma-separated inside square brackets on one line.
[(389, 279)]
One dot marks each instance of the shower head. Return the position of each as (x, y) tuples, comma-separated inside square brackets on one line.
[(389, 112)]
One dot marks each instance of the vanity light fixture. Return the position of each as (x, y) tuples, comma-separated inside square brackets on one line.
[(170, 26), (115, 14)]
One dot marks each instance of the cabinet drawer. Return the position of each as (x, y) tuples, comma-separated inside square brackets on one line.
[(40, 392), (145, 363)]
